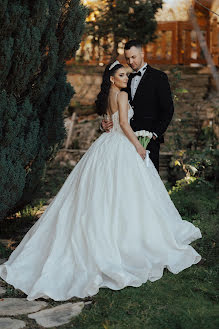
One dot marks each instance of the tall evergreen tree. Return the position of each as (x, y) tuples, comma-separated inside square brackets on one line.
[(36, 37), (124, 19)]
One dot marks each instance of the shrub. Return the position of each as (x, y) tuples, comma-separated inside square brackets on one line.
[(36, 39)]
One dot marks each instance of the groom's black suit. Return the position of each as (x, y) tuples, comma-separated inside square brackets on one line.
[(153, 107)]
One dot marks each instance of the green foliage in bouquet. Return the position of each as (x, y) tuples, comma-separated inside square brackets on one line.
[(36, 39)]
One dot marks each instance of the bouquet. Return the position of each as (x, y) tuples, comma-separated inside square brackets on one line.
[(144, 137)]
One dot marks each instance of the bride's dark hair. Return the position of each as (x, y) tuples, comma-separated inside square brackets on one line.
[(102, 98)]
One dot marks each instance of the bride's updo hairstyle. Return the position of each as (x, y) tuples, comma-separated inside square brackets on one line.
[(102, 97)]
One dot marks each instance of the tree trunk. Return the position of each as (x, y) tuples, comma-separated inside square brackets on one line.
[(115, 50)]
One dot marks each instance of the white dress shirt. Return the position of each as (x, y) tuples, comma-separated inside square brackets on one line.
[(135, 82)]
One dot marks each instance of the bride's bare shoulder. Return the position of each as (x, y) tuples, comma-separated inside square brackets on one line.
[(122, 96)]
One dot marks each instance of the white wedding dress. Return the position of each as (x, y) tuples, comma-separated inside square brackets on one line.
[(112, 224)]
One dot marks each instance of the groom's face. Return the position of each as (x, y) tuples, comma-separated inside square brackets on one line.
[(134, 57)]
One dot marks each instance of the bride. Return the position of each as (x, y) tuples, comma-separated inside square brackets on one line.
[(112, 223)]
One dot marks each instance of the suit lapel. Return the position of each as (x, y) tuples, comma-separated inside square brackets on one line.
[(129, 90)]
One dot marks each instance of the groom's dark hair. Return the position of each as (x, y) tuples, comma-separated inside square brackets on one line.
[(133, 43)]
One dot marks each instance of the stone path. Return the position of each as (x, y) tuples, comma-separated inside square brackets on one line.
[(16, 306), (45, 316), (7, 323), (58, 315)]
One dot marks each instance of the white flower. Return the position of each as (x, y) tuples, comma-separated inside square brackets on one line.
[(148, 134), (143, 133)]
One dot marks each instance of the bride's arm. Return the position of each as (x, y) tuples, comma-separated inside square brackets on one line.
[(124, 124)]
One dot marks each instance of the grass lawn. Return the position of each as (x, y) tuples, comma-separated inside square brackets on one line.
[(188, 300)]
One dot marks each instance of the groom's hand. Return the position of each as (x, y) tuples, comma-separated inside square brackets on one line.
[(154, 136), (107, 125)]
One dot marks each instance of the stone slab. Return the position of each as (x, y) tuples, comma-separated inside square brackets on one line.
[(15, 306), (57, 315), (7, 323)]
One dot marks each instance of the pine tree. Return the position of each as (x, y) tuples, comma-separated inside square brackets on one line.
[(36, 37), (124, 19)]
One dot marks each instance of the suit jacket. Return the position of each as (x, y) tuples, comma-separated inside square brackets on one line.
[(152, 104)]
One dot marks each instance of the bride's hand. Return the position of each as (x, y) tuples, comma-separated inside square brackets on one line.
[(141, 151)]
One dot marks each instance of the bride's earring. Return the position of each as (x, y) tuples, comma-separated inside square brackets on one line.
[(112, 81)]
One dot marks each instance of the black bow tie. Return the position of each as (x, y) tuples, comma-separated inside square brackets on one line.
[(133, 74)]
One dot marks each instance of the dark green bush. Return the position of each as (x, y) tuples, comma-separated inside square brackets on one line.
[(36, 37)]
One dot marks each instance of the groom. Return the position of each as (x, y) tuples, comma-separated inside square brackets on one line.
[(150, 97)]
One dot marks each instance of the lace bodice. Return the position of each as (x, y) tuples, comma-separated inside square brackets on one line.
[(115, 118)]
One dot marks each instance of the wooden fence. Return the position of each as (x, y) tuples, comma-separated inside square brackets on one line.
[(176, 43)]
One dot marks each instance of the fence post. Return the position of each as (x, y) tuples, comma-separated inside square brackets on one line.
[(180, 49), (215, 42), (175, 44)]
